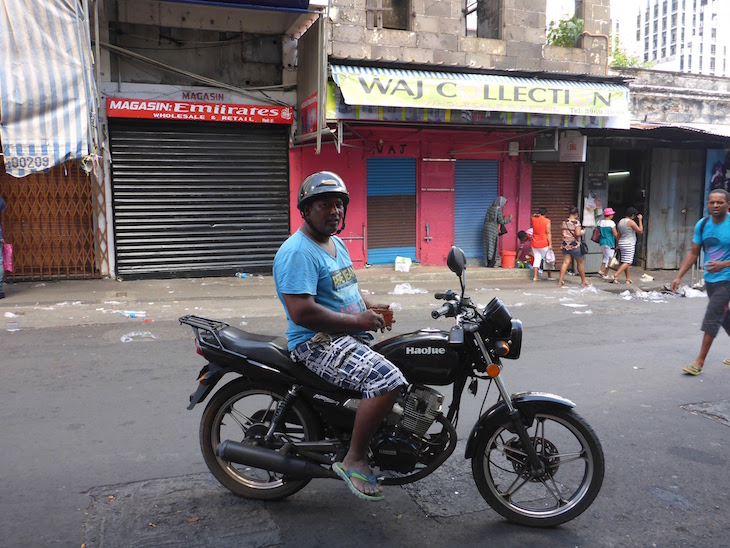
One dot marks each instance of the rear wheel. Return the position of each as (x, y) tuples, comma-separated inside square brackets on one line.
[(242, 412), (571, 456)]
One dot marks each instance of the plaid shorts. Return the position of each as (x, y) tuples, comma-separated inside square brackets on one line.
[(349, 363)]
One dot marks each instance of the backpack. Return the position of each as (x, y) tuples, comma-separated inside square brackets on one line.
[(702, 229)]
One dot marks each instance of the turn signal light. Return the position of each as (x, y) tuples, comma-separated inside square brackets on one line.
[(501, 348), (493, 370)]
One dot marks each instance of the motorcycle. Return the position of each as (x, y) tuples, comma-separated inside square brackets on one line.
[(267, 433)]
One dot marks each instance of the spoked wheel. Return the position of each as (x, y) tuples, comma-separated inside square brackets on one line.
[(572, 459), (242, 412)]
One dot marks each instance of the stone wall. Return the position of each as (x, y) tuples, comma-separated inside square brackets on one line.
[(511, 37), (676, 97)]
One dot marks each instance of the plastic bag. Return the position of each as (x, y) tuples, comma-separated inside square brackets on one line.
[(550, 256), (402, 264), (614, 262), (8, 257)]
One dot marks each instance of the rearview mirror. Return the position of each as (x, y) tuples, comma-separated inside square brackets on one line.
[(456, 261)]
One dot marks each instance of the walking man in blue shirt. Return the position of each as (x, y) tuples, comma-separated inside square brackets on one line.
[(712, 233)]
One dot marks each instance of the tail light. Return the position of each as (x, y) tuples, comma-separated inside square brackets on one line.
[(197, 347)]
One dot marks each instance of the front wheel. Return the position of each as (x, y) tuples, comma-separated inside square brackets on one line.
[(242, 411), (571, 456)]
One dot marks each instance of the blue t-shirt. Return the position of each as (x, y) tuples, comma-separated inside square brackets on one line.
[(716, 239), (301, 267)]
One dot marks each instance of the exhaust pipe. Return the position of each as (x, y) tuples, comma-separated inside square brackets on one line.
[(268, 459)]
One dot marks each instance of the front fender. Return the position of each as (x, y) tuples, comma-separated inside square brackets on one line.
[(525, 402)]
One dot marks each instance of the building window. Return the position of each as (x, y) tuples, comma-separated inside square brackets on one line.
[(664, 53), (681, 63), (712, 65), (664, 39), (713, 34), (388, 14), (712, 49), (672, 49), (664, 7), (646, 57), (674, 19)]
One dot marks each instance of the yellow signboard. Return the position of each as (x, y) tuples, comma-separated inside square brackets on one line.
[(431, 90)]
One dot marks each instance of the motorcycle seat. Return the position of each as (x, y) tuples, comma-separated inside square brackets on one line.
[(272, 351)]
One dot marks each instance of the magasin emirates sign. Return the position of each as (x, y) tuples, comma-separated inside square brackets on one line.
[(483, 93), (194, 111)]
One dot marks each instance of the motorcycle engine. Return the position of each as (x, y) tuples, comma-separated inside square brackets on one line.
[(398, 448)]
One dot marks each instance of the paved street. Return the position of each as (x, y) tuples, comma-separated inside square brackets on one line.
[(98, 448)]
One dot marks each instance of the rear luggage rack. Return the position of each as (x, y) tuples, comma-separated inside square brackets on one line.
[(206, 325)]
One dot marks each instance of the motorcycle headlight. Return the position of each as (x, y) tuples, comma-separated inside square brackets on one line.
[(496, 319), (515, 341)]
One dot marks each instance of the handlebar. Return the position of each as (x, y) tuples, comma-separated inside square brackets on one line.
[(442, 311), (445, 296)]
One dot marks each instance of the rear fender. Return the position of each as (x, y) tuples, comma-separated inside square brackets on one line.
[(212, 373), (526, 402)]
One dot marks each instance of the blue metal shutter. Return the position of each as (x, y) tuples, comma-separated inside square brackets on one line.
[(475, 188), (391, 209)]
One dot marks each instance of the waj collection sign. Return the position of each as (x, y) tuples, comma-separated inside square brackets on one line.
[(432, 90)]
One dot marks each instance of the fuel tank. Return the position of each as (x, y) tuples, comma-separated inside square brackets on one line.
[(424, 357)]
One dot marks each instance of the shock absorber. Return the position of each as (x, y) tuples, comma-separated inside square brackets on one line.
[(281, 411)]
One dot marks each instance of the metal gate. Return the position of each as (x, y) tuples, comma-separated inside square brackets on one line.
[(50, 223), (554, 187), (391, 209), (675, 205), (194, 198), (476, 185)]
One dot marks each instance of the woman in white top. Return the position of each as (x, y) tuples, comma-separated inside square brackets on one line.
[(628, 228)]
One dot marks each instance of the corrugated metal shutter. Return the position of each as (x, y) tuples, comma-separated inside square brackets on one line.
[(554, 188), (391, 209), (195, 198), (475, 188)]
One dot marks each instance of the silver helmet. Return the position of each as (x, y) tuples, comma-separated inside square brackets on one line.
[(321, 183)]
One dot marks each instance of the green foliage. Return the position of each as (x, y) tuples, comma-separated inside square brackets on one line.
[(565, 33), (621, 58)]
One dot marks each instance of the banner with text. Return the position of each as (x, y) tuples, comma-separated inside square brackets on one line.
[(204, 112), (481, 92)]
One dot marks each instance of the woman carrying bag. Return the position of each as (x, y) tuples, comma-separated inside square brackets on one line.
[(572, 234)]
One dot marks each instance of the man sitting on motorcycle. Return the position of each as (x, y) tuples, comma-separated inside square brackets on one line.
[(329, 320)]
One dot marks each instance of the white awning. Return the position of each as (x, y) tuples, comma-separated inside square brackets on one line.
[(47, 91)]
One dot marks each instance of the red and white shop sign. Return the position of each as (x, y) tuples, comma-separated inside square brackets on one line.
[(202, 112)]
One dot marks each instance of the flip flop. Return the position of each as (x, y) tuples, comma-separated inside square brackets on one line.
[(726, 361), (629, 282), (587, 284), (561, 284), (346, 476), (692, 369)]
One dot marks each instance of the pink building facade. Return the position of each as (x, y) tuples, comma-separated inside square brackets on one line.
[(444, 196)]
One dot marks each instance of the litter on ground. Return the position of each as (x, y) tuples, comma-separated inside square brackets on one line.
[(406, 289), (137, 335)]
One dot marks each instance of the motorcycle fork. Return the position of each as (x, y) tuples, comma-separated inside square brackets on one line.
[(513, 414)]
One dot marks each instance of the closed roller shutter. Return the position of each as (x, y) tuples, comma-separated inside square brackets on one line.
[(195, 198), (391, 209), (554, 188), (476, 185)]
